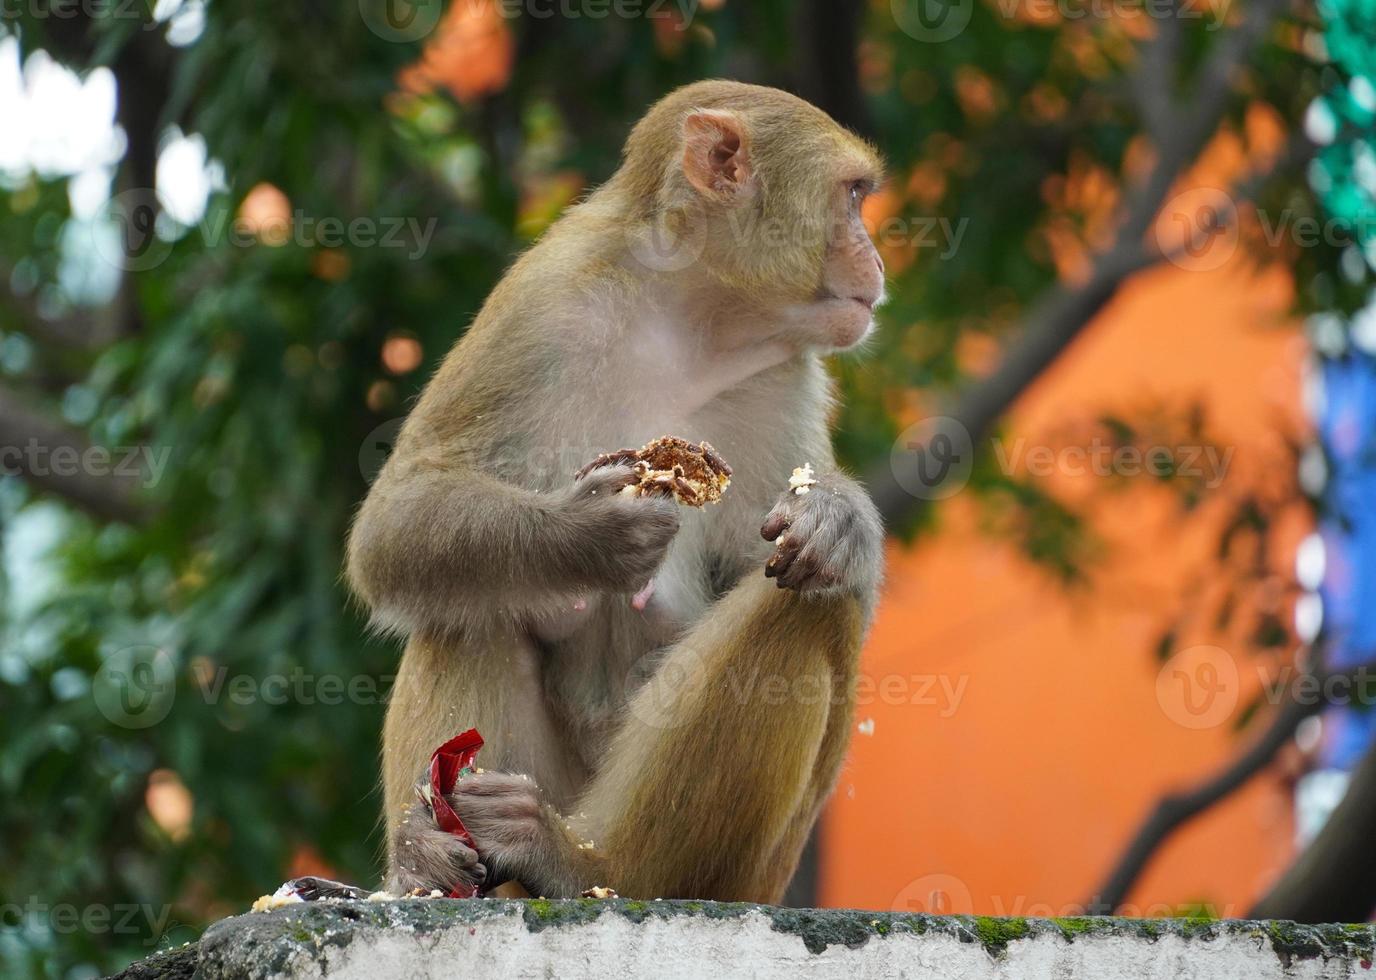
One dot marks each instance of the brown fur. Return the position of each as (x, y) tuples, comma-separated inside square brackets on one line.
[(684, 750)]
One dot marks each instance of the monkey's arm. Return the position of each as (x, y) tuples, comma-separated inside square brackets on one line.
[(439, 547)]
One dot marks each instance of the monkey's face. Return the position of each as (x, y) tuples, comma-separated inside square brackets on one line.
[(780, 188), (852, 272)]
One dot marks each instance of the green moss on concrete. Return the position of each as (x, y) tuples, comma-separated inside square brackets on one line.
[(995, 934), (311, 931), (1293, 941), (1073, 926)]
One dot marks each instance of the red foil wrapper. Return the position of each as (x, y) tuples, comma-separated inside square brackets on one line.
[(447, 764)]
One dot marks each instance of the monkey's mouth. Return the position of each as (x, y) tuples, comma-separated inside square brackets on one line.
[(868, 304)]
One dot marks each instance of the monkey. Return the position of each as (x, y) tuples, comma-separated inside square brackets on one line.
[(665, 693)]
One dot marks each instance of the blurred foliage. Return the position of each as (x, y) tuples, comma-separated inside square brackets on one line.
[(261, 370)]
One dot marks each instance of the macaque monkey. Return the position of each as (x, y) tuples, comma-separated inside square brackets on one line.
[(666, 693)]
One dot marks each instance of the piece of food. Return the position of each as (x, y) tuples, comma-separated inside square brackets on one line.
[(597, 891), (803, 480), (509, 889), (693, 474), (266, 903)]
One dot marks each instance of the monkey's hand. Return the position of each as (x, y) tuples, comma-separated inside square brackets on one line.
[(620, 539), (519, 835), (829, 538), (425, 857)]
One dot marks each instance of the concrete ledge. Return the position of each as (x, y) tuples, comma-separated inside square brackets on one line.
[(444, 938)]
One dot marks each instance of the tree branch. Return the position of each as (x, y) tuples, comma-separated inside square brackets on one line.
[(1175, 809), (1154, 77), (61, 461), (828, 73), (1334, 879), (1055, 320)]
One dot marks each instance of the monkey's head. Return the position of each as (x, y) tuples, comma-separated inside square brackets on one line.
[(761, 192)]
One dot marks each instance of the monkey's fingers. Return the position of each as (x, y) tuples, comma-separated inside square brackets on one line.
[(489, 783), (618, 458), (784, 556), (774, 525), (809, 570)]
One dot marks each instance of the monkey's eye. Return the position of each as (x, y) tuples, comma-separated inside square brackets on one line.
[(857, 190)]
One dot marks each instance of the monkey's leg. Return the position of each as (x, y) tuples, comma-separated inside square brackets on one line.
[(440, 690), (722, 762), (728, 752)]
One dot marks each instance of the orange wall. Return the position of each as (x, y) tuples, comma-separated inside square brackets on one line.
[(1011, 784)]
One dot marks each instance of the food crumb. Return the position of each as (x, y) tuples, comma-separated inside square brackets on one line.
[(803, 479), (266, 903), (866, 727)]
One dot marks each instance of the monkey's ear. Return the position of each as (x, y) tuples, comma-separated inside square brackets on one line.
[(716, 155)]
